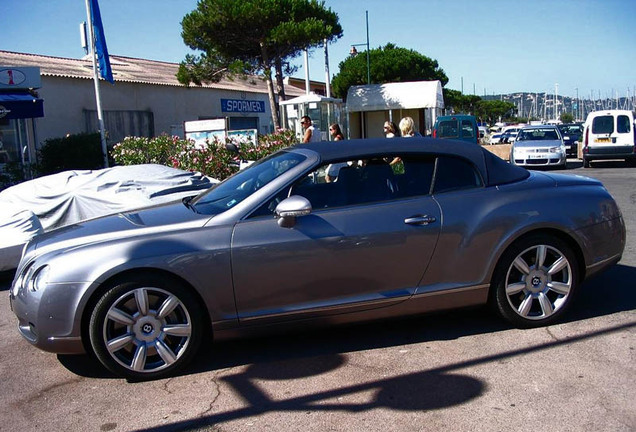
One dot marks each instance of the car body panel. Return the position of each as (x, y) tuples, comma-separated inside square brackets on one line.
[(326, 256), (544, 149), (342, 264), (609, 134), (572, 133)]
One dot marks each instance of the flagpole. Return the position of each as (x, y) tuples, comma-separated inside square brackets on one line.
[(98, 99)]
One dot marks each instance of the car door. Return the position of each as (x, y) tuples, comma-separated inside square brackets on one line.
[(340, 258)]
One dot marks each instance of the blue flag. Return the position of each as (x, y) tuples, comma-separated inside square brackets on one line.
[(100, 43)]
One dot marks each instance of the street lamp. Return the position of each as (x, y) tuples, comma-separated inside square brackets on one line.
[(354, 52)]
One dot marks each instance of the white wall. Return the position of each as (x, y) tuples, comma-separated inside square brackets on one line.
[(65, 100)]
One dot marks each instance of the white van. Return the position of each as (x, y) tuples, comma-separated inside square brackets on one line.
[(609, 134)]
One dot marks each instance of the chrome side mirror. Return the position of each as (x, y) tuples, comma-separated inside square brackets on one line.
[(290, 208)]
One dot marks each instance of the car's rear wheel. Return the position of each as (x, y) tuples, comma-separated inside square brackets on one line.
[(586, 163), (146, 328), (535, 281)]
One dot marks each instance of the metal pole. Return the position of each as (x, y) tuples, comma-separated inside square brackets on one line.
[(98, 99), (307, 88), (368, 61), (327, 84)]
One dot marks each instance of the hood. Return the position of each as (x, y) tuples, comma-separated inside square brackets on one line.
[(171, 216), (538, 143)]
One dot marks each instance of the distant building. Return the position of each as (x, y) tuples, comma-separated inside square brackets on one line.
[(146, 100), (317, 87)]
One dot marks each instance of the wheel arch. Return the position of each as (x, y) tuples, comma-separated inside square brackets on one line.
[(118, 278), (561, 235)]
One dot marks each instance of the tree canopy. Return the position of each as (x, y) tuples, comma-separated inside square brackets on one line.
[(494, 110), (240, 37), (387, 64), (460, 103)]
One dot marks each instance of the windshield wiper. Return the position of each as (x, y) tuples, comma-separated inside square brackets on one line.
[(186, 202)]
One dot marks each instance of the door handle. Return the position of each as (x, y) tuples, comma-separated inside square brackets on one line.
[(419, 220)]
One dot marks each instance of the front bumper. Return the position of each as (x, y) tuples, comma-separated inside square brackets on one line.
[(548, 159), (49, 319)]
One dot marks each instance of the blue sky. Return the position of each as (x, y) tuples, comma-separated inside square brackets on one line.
[(493, 46)]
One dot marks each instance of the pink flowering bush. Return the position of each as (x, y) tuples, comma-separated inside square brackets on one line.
[(213, 159)]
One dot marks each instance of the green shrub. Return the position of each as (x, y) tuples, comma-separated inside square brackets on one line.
[(72, 152), (213, 159)]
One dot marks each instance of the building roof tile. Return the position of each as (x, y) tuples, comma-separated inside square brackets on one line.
[(128, 69)]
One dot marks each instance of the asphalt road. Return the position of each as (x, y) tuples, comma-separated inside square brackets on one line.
[(460, 371)]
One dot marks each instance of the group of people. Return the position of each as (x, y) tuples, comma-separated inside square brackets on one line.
[(406, 129), (391, 130), (313, 135)]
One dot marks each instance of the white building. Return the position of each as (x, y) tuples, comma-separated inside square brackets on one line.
[(146, 100)]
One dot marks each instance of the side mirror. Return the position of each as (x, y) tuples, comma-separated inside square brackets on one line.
[(290, 208)]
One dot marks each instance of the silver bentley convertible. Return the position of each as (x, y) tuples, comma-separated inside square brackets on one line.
[(323, 233)]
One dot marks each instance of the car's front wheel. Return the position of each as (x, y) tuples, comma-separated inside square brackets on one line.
[(146, 328), (535, 281)]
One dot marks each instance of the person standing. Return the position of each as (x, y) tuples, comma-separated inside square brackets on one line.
[(390, 130), (336, 132), (312, 134), (407, 127)]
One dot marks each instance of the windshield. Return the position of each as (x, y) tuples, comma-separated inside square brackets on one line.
[(235, 189), (547, 134)]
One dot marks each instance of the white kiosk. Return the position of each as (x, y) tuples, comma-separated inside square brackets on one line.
[(322, 110)]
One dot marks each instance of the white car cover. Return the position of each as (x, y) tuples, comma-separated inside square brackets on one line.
[(68, 197)]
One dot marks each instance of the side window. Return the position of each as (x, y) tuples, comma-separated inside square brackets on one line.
[(417, 177), (603, 125), (622, 124), (448, 129), (356, 182), (454, 174), (468, 131)]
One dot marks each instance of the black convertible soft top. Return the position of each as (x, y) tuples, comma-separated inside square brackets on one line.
[(494, 170)]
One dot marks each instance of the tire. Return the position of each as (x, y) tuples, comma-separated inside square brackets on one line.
[(535, 281), (146, 328), (586, 163)]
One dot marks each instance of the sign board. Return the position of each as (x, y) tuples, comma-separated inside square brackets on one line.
[(242, 106), (244, 135), (19, 78), (204, 131), (204, 125)]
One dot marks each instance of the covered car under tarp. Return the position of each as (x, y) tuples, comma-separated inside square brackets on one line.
[(68, 197)]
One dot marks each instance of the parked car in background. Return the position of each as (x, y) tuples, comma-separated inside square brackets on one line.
[(45, 203), (539, 146), (495, 138), (509, 136), (571, 133), (277, 245), (609, 134), (459, 127), (484, 134)]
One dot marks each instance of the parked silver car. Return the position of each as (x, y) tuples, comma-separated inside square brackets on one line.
[(539, 146), (280, 244)]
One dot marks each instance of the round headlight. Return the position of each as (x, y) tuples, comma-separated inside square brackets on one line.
[(21, 280), (39, 279)]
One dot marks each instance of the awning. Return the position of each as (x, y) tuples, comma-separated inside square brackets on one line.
[(19, 105), (404, 95)]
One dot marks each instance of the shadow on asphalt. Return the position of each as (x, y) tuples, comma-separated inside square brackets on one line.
[(6, 277), (610, 292)]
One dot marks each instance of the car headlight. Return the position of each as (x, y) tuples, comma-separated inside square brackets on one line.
[(39, 279), (22, 278), (555, 149)]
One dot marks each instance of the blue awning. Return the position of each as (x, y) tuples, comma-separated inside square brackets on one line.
[(19, 105)]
